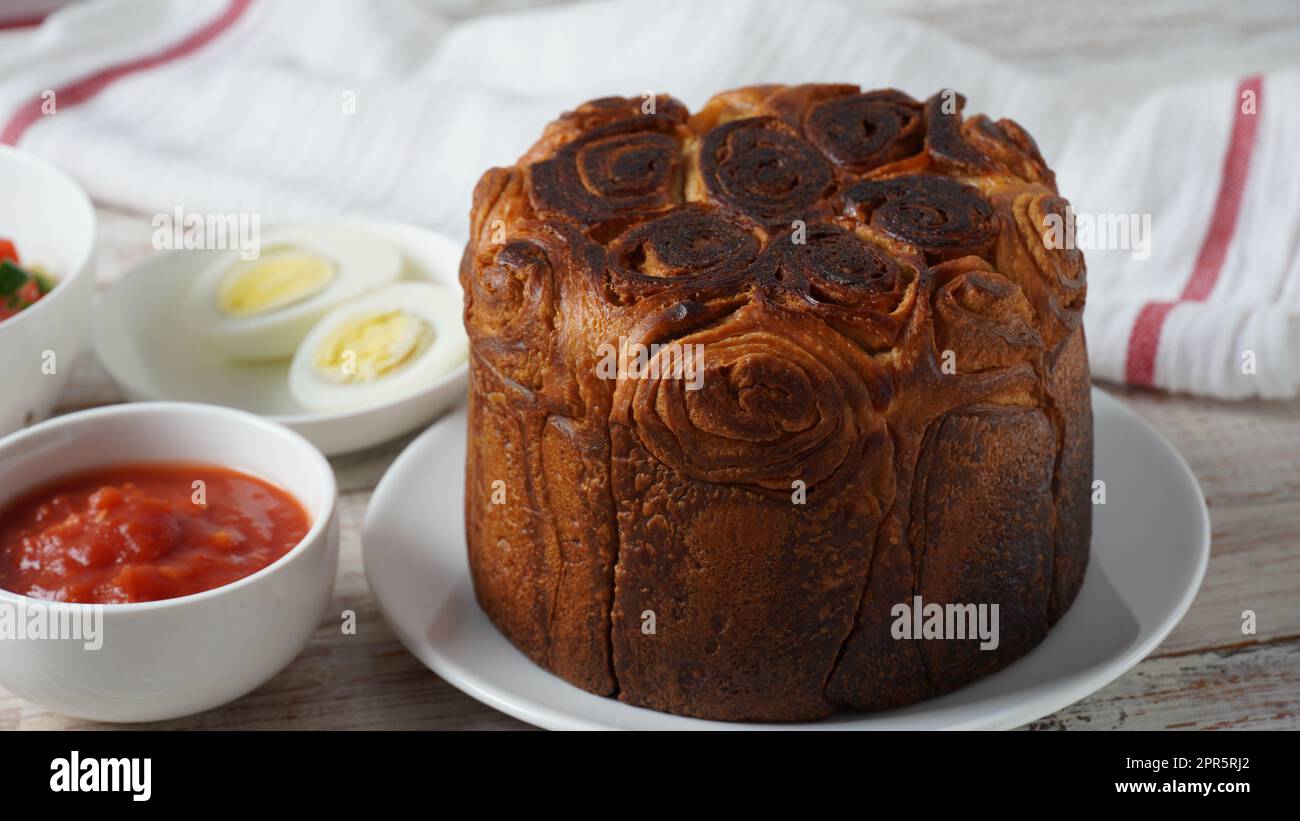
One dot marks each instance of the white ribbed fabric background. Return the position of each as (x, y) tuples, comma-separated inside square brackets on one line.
[(254, 121)]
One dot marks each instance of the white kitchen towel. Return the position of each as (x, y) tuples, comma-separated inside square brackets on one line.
[(293, 108)]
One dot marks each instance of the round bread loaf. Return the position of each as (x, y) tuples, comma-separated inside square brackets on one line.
[(748, 387)]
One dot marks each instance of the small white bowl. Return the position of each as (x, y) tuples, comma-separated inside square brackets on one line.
[(174, 657), (52, 222), (144, 344)]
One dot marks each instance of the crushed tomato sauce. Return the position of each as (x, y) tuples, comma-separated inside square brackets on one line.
[(133, 533)]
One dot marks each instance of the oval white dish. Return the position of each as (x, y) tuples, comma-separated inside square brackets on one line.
[(142, 341)]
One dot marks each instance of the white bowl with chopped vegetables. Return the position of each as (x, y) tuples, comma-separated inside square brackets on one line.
[(47, 246)]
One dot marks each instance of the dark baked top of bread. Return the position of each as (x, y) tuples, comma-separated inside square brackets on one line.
[(631, 219), (827, 199)]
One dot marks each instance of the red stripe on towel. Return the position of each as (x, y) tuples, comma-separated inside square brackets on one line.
[(84, 89), (1144, 340), (22, 22)]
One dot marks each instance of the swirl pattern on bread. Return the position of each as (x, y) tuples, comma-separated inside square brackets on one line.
[(849, 371)]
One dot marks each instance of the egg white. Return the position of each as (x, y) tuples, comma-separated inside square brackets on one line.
[(438, 307), (362, 263)]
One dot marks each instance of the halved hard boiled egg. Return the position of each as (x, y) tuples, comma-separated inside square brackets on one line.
[(262, 308), (380, 348)]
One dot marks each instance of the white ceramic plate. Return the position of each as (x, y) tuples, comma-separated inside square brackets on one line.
[(1150, 545), (148, 351)]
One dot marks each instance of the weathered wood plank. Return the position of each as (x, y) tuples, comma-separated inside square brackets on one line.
[(1252, 687)]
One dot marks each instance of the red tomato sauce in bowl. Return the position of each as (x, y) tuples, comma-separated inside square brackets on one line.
[(144, 532)]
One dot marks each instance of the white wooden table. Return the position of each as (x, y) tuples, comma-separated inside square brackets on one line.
[(1246, 455)]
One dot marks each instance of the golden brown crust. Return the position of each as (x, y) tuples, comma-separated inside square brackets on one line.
[(893, 402)]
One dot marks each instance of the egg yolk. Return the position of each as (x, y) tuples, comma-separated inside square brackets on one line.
[(277, 278), (372, 345)]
